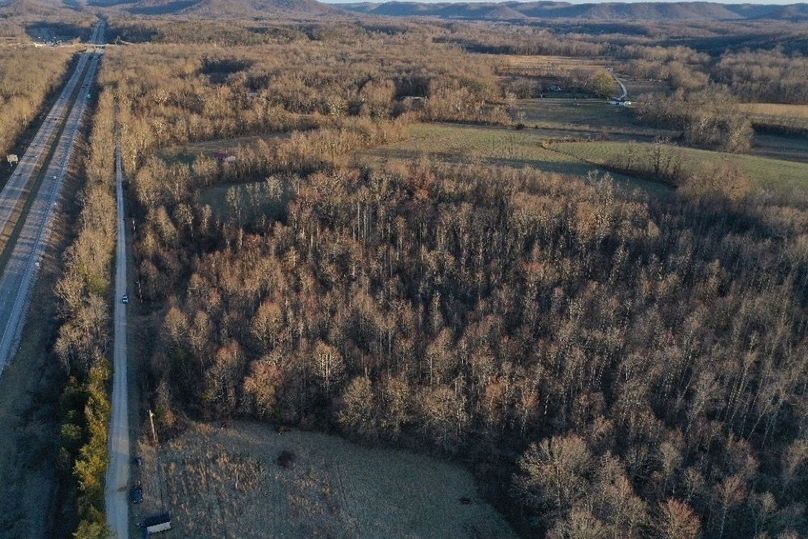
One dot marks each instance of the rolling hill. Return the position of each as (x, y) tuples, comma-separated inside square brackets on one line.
[(227, 8), (202, 8), (611, 11)]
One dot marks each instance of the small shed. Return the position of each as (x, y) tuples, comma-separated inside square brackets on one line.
[(224, 157), (157, 523), (12, 159)]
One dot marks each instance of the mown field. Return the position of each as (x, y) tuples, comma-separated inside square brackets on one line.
[(785, 178), (637, 87), (790, 148), (583, 118), (227, 482), (490, 145)]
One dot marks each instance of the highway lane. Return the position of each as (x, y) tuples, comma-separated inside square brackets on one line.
[(22, 267), (117, 477)]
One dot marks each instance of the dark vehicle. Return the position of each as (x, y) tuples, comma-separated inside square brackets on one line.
[(136, 494), (125, 299)]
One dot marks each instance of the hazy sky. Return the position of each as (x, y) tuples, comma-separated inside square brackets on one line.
[(569, 1)]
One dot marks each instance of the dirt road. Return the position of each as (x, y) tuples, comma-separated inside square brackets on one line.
[(117, 477)]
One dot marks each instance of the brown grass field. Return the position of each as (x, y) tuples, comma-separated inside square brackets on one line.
[(226, 482), (544, 64), (778, 116), (775, 109)]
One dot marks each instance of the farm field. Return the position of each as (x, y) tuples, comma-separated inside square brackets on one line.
[(226, 482), (778, 116), (786, 178), (492, 145), (781, 147), (595, 119), (543, 64), (637, 87), (584, 118)]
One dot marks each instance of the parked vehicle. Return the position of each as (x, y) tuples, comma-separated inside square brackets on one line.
[(136, 494)]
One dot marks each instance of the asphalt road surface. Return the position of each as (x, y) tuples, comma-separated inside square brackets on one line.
[(117, 478), (20, 271)]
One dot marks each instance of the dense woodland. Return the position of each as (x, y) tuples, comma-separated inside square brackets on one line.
[(610, 364)]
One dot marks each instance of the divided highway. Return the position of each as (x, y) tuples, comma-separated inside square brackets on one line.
[(117, 477), (22, 255)]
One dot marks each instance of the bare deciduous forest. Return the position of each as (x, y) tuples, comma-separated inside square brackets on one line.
[(27, 76), (607, 362)]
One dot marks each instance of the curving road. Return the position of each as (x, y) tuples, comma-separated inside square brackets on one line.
[(624, 95), (52, 148), (117, 477)]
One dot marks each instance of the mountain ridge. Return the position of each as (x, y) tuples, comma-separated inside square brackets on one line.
[(607, 11)]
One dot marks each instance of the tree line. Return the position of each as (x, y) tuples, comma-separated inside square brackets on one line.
[(83, 342)]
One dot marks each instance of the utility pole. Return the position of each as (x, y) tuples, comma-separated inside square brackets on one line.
[(154, 432)]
